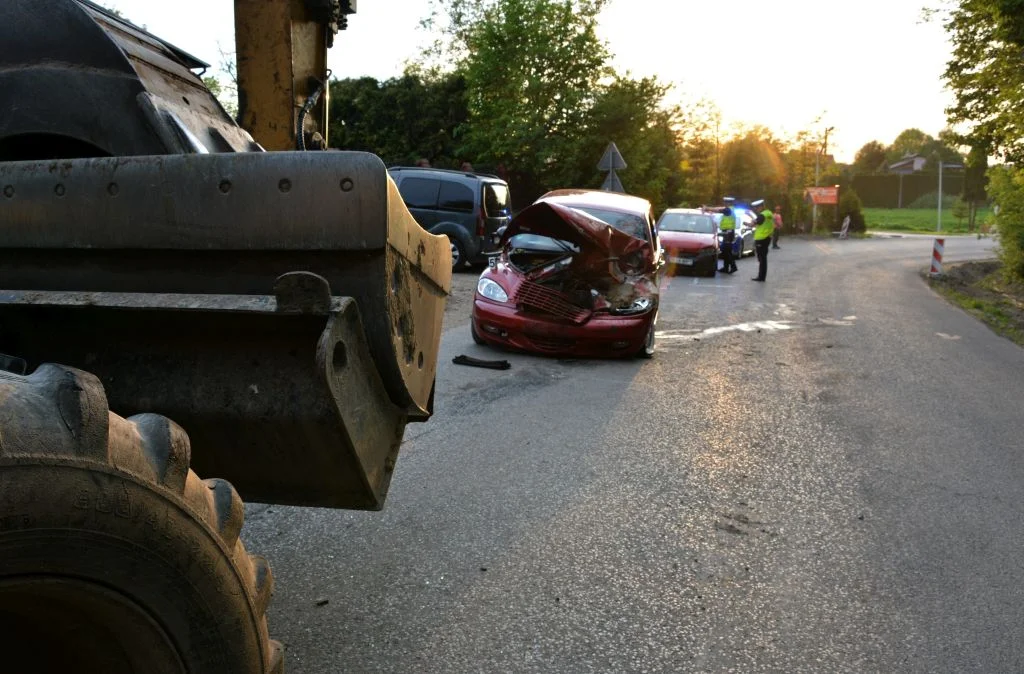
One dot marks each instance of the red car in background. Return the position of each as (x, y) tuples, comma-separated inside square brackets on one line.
[(689, 237), (577, 275)]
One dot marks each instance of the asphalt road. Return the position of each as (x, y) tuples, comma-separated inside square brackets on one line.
[(822, 473)]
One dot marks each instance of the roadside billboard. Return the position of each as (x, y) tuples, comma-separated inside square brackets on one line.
[(822, 196)]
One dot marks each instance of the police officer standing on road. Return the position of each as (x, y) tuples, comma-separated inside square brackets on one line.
[(728, 227), (762, 240)]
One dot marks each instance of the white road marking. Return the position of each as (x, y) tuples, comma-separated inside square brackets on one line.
[(763, 326), (949, 337)]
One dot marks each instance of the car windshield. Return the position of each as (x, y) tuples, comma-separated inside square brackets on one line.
[(631, 223), (686, 222), (539, 243)]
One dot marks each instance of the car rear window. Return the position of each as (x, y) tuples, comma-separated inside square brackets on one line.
[(686, 222), (455, 197), (630, 223), (419, 192), (495, 200)]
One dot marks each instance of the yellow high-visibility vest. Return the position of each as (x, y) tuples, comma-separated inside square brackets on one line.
[(765, 229), (728, 223)]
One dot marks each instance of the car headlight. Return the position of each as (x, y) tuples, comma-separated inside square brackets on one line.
[(491, 290), (639, 306), (707, 250)]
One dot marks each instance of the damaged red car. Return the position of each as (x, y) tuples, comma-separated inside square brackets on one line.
[(577, 276)]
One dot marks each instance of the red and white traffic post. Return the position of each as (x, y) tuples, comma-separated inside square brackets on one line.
[(940, 245)]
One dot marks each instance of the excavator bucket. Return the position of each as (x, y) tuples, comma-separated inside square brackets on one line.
[(284, 308)]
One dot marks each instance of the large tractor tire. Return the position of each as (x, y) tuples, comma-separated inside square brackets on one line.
[(114, 556)]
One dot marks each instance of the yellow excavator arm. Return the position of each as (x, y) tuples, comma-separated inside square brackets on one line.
[(281, 50)]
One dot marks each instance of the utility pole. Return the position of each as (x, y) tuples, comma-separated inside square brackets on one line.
[(817, 163), (718, 169)]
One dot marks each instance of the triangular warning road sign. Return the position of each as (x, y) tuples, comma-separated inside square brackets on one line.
[(612, 159), (613, 184)]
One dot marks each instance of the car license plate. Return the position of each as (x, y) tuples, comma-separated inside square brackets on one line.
[(683, 260)]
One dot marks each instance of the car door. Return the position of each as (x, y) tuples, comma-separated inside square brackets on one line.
[(420, 197)]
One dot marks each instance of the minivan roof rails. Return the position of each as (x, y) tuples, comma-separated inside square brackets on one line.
[(455, 171)]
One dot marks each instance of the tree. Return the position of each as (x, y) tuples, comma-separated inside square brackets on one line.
[(986, 72), (752, 167), (532, 69), (226, 96), (1006, 186), (945, 147), (699, 137), (401, 119), (908, 142), (961, 210), (631, 113), (850, 205), (976, 166), (799, 160), (114, 11), (986, 76), (870, 158)]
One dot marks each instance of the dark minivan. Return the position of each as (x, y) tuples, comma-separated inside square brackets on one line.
[(467, 207)]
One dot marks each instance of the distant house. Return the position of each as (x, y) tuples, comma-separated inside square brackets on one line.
[(911, 163)]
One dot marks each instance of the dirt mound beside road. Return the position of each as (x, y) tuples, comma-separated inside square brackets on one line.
[(980, 289)]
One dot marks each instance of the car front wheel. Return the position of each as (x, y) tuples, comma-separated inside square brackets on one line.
[(476, 336), (647, 350)]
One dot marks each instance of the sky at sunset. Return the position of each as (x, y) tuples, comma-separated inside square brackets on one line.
[(869, 69)]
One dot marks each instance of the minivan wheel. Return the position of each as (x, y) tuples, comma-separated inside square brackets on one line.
[(458, 253)]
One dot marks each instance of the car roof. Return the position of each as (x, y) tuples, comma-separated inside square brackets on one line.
[(615, 201), (690, 211), (446, 173)]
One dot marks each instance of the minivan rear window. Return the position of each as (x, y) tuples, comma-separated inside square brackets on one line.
[(419, 192), (495, 199), (455, 197)]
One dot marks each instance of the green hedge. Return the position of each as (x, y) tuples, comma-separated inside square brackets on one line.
[(883, 191), (1006, 188)]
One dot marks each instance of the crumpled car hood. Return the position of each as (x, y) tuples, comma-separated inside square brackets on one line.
[(595, 269), (561, 222)]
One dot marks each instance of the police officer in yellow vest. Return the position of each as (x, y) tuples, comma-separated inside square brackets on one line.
[(728, 228), (762, 240)]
